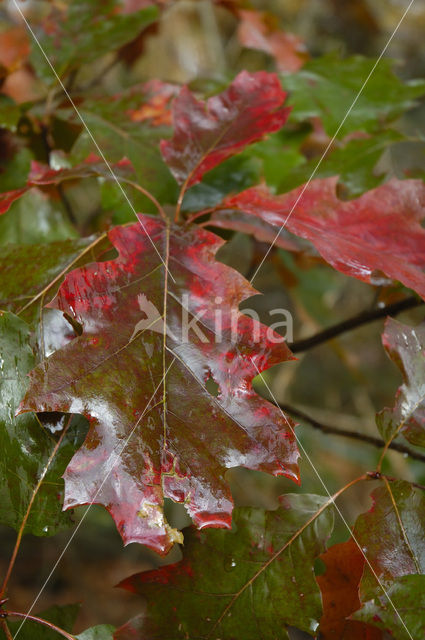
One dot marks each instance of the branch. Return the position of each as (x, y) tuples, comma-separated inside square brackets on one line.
[(364, 317), (354, 435)]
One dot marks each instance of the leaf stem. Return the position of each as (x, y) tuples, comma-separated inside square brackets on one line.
[(364, 317), (5, 628), (354, 435), (181, 196), (249, 582), (148, 195), (46, 623), (30, 504)]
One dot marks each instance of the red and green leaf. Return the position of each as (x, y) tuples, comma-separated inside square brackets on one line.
[(249, 583), (135, 378)]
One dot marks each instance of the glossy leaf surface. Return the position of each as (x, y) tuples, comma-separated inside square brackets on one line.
[(392, 535), (206, 133), (408, 597), (136, 382), (249, 583), (373, 238), (406, 347), (25, 444)]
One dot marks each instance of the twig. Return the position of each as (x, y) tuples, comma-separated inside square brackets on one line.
[(352, 323), (354, 435), (46, 623)]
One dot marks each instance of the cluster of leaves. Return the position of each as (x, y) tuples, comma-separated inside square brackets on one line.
[(101, 382)]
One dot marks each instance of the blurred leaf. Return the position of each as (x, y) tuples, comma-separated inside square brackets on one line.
[(100, 632), (35, 218), (326, 88), (258, 30), (118, 135), (232, 176), (82, 31), (245, 583), (354, 163)]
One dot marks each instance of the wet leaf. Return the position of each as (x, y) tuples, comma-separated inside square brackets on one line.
[(408, 597), (206, 133), (26, 270), (392, 536), (249, 583), (25, 444), (375, 238), (136, 382), (406, 347)]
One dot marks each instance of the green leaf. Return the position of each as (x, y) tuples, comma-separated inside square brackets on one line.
[(99, 632), (242, 584), (25, 444), (25, 270), (83, 32), (392, 536), (63, 617), (354, 163), (408, 597), (233, 175), (35, 218), (406, 347), (117, 135), (327, 87)]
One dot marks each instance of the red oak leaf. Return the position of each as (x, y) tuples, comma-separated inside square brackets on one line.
[(206, 133), (374, 237), (171, 403), (340, 594)]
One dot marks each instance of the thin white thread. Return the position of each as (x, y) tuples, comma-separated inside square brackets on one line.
[(332, 500), (331, 141), (117, 456), (83, 122)]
